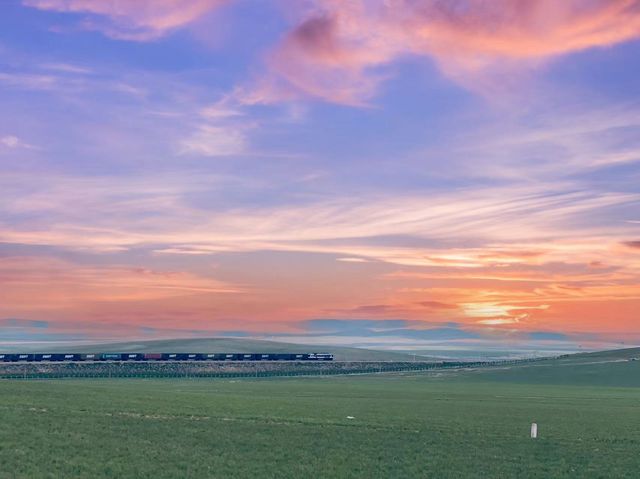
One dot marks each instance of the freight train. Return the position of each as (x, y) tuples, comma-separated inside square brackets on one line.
[(46, 357)]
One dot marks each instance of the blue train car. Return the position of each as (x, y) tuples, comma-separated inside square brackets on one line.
[(132, 357), (25, 357), (69, 357), (44, 357), (289, 356), (187, 357)]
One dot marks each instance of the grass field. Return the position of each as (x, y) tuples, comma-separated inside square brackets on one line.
[(441, 425)]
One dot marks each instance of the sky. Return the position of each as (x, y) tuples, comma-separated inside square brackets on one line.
[(408, 174)]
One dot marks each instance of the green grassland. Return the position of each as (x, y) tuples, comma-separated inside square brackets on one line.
[(439, 424)]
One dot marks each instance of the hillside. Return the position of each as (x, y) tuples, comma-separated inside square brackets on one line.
[(609, 355), (614, 368), (214, 345)]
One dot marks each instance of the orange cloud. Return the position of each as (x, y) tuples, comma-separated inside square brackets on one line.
[(59, 284), (337, 51), (437, 305), (139, 20)]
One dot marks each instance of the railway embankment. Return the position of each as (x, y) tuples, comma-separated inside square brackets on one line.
[(222, 369)]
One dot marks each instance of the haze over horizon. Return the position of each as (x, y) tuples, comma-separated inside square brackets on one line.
[(397, 174)]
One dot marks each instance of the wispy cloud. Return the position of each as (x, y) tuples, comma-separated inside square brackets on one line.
[(557, 142), (138, 20), (497, 216), (67, 68), (210, 140), (13, 142)]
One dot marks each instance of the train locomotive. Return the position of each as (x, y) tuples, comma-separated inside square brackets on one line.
[(76, 357)]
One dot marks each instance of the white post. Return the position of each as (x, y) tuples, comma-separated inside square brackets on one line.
[(534, 430)]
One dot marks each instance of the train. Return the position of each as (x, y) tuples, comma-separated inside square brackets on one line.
[(76, 357)]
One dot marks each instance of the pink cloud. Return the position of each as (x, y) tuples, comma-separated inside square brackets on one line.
[(138, 20), (632, 244), (339, 50)]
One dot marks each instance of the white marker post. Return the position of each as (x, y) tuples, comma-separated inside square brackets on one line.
[(534, 430)]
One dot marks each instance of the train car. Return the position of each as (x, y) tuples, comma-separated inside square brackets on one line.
[(7, 357), (153, 357), (206, 357), (284, 357), (169, 356), (25, 357), (110, 357), (178, 357), (132, 357), (300, 357), (188, 357), (319, 357), (324, 357), (90, 357), (44, 357), (287, 357), (71, 357)]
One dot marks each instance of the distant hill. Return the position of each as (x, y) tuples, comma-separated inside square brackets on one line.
[(230, 345), (609, 355), (614, 368)]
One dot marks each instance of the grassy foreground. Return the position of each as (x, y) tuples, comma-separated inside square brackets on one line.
[(440, 425)]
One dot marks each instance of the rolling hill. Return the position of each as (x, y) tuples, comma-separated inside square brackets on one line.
[(613, 368)]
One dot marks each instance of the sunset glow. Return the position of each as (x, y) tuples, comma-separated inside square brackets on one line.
[(399, 173)]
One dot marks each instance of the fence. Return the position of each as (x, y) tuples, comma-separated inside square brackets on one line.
[(210, 369)]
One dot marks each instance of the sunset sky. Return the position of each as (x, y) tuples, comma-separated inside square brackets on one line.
[(389, 173)]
